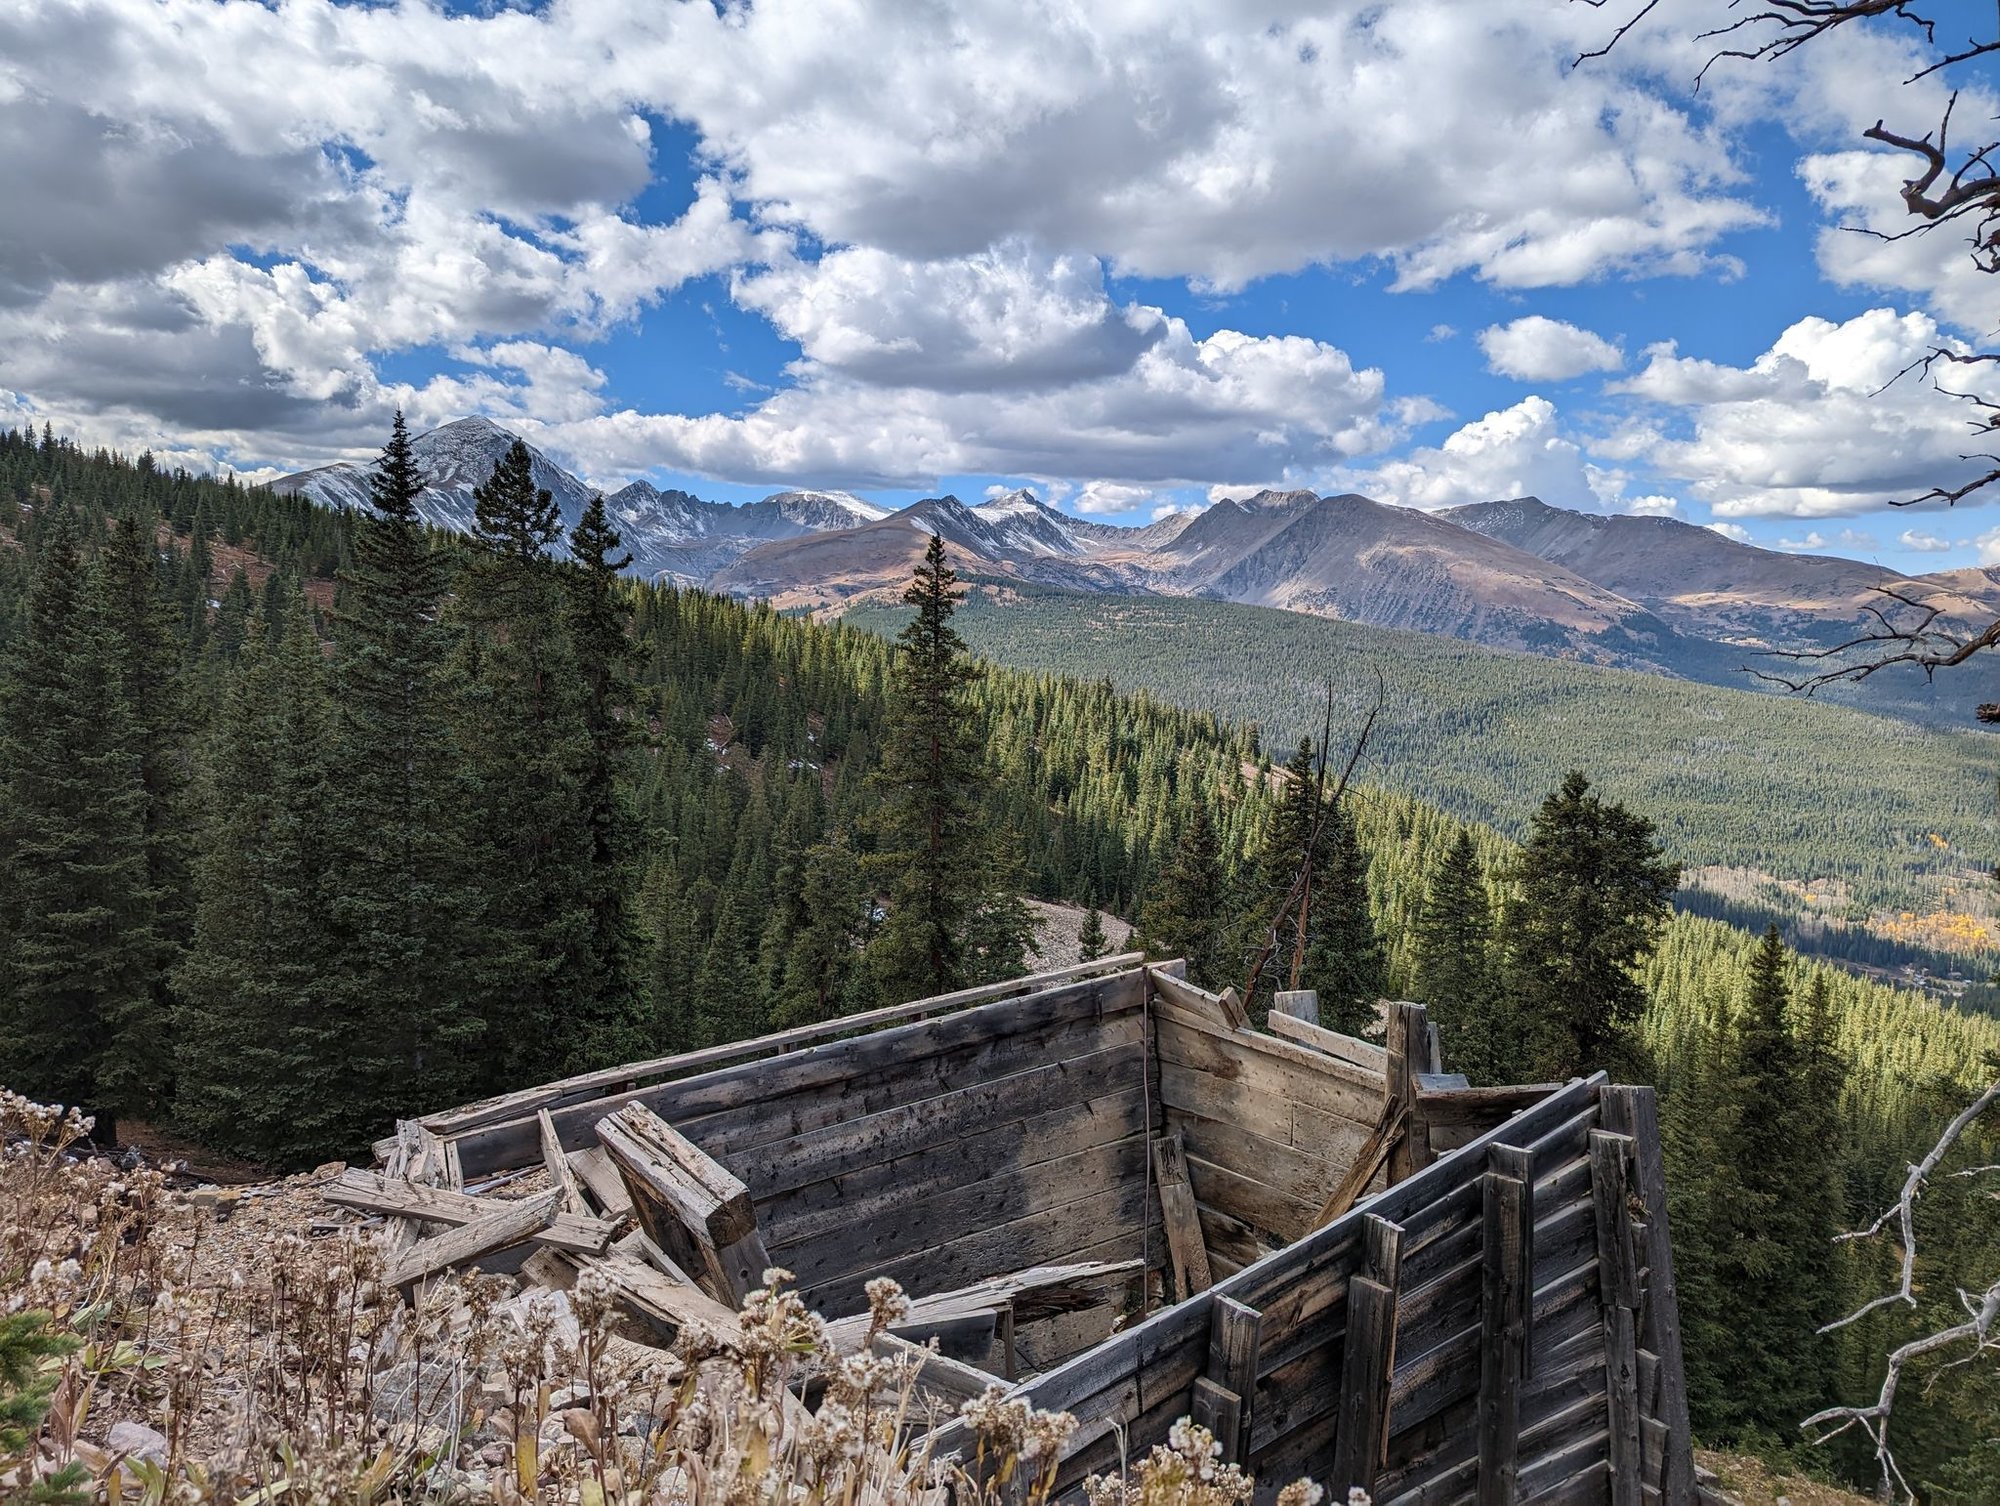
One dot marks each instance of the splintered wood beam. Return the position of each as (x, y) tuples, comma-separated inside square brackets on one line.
[(1225, 1008), (1451, 1104), (675, 1304), (509, 1224), (1374, 1154), (372, 1192), (562, 1176), (1186, 1252), (1042, 1291), (1368, 1358), (689, 1204), (601, 1181)]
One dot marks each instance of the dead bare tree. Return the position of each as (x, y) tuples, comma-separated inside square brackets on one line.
[(1976, 1336), (1298, 897), (1951, 183)]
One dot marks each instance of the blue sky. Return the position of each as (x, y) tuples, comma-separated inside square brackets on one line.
[(1133, 259)]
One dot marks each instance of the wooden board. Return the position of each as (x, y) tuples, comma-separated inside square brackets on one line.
[(1188, 1255), (509, 1224), (445, 1209)]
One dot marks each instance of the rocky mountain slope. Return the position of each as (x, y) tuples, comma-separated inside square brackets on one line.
[(1644, 593)]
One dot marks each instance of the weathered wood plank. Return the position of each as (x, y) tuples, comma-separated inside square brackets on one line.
[(924, 1223), (1224, 1009), (1409, 1055), (952, 1381), (906, 1129), (676, 1305), (600, 1179), (1366, 1055), (1368, 1359), (810, 1070), (508, 1224), (1256, 1203), (1635, 1112), (1363, 1086), (1503, 1349), (1228, 1236), (1187, 1255), (1376, 1153), (1300, 1176), (442, 1208), (561, 1174), (1235, 1337), (1485, 1107), (1260, 1108), (523, 1103), (1300, 1004), (668, 1175), (875, 1192)]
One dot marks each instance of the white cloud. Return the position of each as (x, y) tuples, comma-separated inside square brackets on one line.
[(1922, 542), (1100, 498), (1810, 542), (1734, 531), (1820, 425), (1440, 333), (1187, 411), (1515, 452), (1537, 349), (1989, 546)]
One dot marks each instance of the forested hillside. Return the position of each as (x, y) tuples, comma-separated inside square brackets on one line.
[(1799, 789), (313, 819)]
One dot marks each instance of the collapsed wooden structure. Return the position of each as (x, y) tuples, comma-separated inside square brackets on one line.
[(1105, 1190)]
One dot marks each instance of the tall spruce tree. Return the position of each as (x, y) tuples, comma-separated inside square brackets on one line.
[(81, 952), (524, 750), (400, 900), (1774, 1369), (1090, 940), (266, 1065), (931, 851), (1454, 962), (1591, 889), (608, 1000), (147, 654), (1349, 966), (1187, 910)]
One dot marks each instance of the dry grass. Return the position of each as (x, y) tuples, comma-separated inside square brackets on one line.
[(252, 1366)]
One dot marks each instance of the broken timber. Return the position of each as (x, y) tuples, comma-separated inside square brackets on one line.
[(1374, 1273)]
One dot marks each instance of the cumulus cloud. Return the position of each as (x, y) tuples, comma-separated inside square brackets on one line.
[(1537, 349), (1735, 531), (1811, 541), (1186, 411), (1101, 498), (1514, 452), (1923, 542), (1819, 425)]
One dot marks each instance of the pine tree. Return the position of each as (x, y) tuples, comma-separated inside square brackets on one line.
[(1346, 962), (81, 951), (607, 1002), (147, 655), (400, 897), (1091, 941), (1591, 889), (1776, 1270), (930, 840), (1454, 962), (264, 1051), (524, 749), (1187, 910), (819, 972)]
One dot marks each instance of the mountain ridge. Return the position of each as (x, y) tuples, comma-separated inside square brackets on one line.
[(1650, 593)]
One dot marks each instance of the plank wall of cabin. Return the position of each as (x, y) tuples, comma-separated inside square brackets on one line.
[(1270, 1128), (939, 1153), (1142, 1380)]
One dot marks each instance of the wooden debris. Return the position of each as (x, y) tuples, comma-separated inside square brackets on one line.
[(508, 1225), (1188, 1255), (1038, 1292), (1374, 1156), (694, 1208), (438, 1206)]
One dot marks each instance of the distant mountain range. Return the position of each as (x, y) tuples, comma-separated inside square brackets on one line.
[(1643, 593)]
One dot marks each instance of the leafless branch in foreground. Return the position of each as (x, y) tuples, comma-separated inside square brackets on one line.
[(1976, 1333), (1907, 633)]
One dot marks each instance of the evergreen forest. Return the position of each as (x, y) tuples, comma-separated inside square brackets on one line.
[(314, 819)]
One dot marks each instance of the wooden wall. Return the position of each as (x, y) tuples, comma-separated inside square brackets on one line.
[(1270, 1128), (1445, 1407), (939, 1152)]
